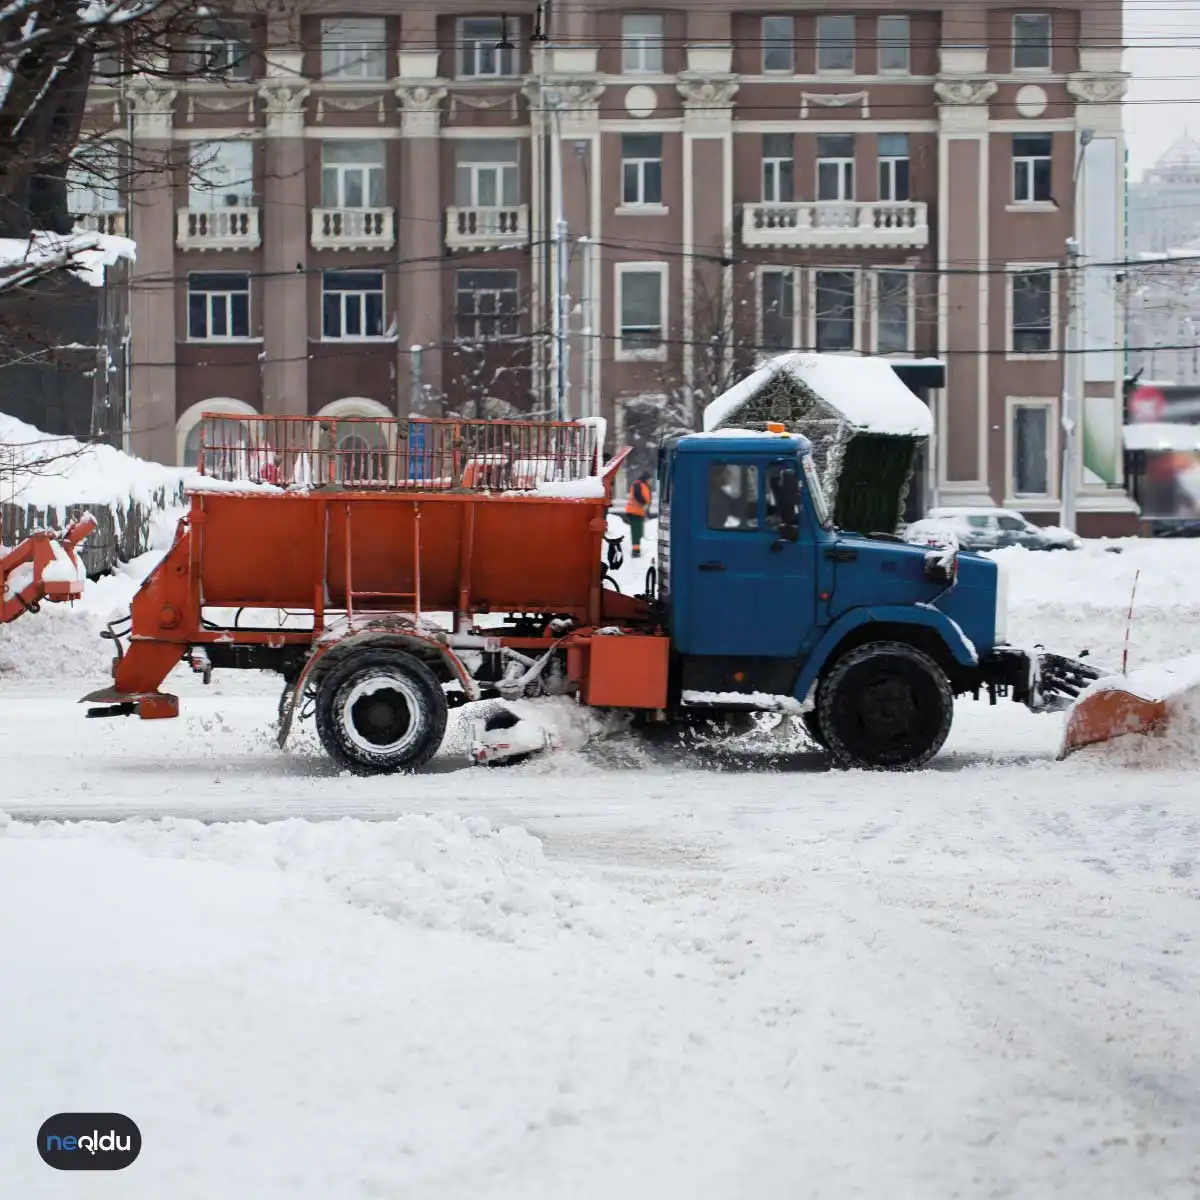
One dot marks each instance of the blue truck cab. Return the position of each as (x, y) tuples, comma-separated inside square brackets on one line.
[(771, 608)]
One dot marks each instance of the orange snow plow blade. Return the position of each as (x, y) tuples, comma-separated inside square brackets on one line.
[(1143, 702)]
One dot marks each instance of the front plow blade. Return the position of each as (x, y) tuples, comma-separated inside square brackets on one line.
[(1143, 702)]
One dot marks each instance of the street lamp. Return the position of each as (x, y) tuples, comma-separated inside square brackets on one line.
[(1074, 373)]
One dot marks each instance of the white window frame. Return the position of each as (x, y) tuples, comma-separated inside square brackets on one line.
[(507, 172), (642, 203), (911, 311), (497, 317), (354, 59), (642, 53), (1012, 497), (887, 168), (759, 337), (1028, 162), (845, 174), (1049, 64), (778, 44), (204, 198), (225, 298), (829, 43), (772, 175), (225, 43), (359, 297), (506, 63), (650, 354), (882, 42), (216, 406), (857, 274), (1013, 270), (94, 177), (371, 171)]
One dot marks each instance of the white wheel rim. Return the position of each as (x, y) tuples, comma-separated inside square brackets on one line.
[(403, 690)]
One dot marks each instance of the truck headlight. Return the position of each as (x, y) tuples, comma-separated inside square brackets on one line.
[(1001, 634)]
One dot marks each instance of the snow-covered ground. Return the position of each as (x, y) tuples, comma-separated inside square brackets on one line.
[(644, 970)]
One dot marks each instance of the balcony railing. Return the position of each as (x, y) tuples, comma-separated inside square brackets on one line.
[(353, 228), (850, 223), (487, 228), (113, 222), (218, 229)]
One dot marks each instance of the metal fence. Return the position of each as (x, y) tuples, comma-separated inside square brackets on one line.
[(421, 454)]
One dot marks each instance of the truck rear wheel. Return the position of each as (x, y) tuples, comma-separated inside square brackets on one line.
[(885, 706), (380, 711)]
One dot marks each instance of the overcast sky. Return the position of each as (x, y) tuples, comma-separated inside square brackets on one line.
[(1164, 58)]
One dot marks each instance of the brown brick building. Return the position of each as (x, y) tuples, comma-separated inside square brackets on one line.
[(878, 179)]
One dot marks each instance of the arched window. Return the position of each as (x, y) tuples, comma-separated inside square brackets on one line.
[(226, 442), (356, 433)]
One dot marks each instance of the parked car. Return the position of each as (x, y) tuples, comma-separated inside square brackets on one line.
[(991, 529)]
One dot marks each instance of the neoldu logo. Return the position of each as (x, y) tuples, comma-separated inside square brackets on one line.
[(89, 1141)]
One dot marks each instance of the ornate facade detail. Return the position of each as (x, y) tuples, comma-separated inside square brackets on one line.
[(835, 100), (965, 91), (580, 100), (284, 97), (421, 114), (1098, 89), (709, 92), (351, 104), (486, 102), (200, 102), (153, 104)]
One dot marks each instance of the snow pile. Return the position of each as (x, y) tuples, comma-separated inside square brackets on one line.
[(47, 471)]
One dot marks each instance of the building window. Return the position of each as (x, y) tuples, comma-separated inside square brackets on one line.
[(1031, 168), (835, 166), (487, 305), (777, 309), (641, 168), (778, 168), (352, 304), (486, 173), (1029, 438), (1031, 296), (835, 44), (221, 174), (833, 310), (893, 166), (778, 39), (352, 174), (94, 180), (893, 46), (733, 496), (354, 48), (641, 309), (487, 47), (218, 306), (892, 325), (1031, 41), (642, 45), (220, 51)]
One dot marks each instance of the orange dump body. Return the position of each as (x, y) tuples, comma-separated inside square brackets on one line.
[(402, 535)]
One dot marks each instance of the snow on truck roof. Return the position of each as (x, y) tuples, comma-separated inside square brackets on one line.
[(867, 393)]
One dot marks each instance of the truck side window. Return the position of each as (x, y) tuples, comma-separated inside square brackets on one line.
[(732, 496), (773, 517)]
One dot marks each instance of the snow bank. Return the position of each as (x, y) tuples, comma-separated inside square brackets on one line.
[(47, 471), (866, 391)]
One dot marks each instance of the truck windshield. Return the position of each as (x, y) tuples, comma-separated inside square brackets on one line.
[(820, 507)]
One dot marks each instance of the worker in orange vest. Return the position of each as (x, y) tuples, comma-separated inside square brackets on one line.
[(635, 511)]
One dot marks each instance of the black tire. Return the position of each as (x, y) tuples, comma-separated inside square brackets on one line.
[(812, 726), (380, 711), (885, 706)]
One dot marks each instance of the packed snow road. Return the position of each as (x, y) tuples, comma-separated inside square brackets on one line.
[(637, 970)]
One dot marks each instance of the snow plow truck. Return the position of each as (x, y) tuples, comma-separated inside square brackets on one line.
[(392, 573)]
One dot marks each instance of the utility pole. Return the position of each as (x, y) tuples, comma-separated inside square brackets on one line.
[(1074, 348), (562, 265)]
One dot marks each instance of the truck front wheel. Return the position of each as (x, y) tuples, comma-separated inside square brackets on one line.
[(885, 706), (380, 711)]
